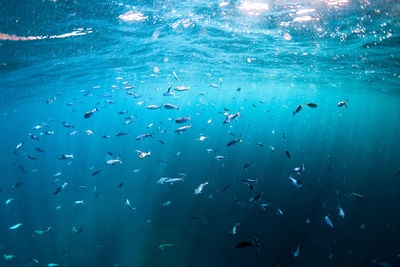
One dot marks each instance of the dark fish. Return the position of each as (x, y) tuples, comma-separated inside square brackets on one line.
[(30, 157), (357, 196), (122, 112), (58, 190), (342, 103), (121, 134), (96, 172), (109, 153), (229, 118), (297, 109), (90, 113), (121, 185), (311, 105), (226, 109), (105, 136), (19, 166), (247, 165), (255, 198), (161, 142), (182, 119), (17, 184), (38, 149), (244, 244), (33, 137), (251, 187), (231, 143), (287, 153), (226, 187)]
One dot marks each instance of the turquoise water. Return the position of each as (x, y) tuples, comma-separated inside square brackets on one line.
[(59, 60)]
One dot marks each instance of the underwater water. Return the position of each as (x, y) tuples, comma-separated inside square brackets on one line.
[(96, 171)]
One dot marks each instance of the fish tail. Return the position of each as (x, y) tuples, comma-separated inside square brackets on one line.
[(238, 114), (345, 103), (177, 107)]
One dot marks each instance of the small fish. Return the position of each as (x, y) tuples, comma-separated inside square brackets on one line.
[(41, 232), (341, 212), (38, 149), (209, 150), (67, 125), (219, 157), (76, 231), (173, 180), (15, 226), (162, 246), (296, 183), (287, 153), (234, 229), (260, 144), (128, 204), (256, 198), (66, 156), (162, 180), (96, 172), (30, 157), (79, 202), (49, 132), (90, 113), (328, 221), (247, 165), (33, 137), (82, 187), (264, 205), (299, 170), (297, 109), (234, 142), (121, 134), (181, 88), (73, 133), (249, 181), (16, 185), (202, 138), (183, 129), (122, 112), (297, 252), (113, 161), (60, 188), (357, 196), (18, 147), (342, 103), (170, 106), (121, 185), (167, 203), (226, 187), (142, 136), (153, 107), (9, 257), (311, 105), (200, 188), (142, 154), (272, 148), (229, 118), (182, 119), (8, 201)]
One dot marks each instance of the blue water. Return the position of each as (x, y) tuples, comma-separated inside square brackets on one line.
[(61, 59)]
